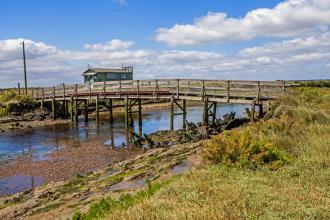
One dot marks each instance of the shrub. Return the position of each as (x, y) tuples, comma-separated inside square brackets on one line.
[(244, 147)]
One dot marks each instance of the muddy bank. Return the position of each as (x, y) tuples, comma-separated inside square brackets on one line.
[(58, 200), (65, 164)]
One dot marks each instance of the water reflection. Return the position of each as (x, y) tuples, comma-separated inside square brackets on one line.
[(39, 141), (16, 184)]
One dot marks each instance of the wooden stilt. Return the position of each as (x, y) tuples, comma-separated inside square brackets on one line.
[(71, 110), (110, 112), (64, 112), (76, 110), (261, 110), (140, 116), (127, 120), (53, 105), (97, 109), (76, 104), (253, 110), (214, 113), (53, 109), (205, 112), (184, 113), (86, 110), (172, 114)]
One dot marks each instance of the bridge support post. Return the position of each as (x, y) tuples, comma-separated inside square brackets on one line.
[(76, 110), (172, 114), (53, 109), (86, 110), (97, 109), (127, 120), (214, 113), (184, 114), (76, 104), (71, 109), (253, 110), (140, 116), (53, 105), (261, 110), (206, 112), (110, 112)]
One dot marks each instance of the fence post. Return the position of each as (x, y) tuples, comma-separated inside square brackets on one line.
[(283, 87), (258, 92)]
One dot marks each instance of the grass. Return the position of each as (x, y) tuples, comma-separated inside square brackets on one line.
[(107, 205), (272, 169)]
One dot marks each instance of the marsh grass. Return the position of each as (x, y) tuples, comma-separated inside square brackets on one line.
[(292, 183)]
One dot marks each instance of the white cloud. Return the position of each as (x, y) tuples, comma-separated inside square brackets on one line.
[(121, 2), (114, 44), (298, 58), (290, 18)]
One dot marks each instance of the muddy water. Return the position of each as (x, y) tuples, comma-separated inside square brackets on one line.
[(36, 143)]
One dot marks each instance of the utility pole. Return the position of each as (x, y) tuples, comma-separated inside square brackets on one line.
[(25, 79)]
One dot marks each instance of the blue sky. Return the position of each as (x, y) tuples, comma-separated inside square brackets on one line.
[(218, 31), (73, 23)]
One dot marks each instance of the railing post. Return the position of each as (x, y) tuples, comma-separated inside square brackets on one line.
[(203, 89), (258, 92), (138, 88)]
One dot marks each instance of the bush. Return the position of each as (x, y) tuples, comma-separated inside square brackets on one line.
[(244, 147)]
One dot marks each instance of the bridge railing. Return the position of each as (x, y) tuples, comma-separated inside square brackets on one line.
[(226, 89)]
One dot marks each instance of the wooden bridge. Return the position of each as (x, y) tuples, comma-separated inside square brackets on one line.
[(177, 91)]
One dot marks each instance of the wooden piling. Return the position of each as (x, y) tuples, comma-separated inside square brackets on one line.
[(97, 109), (72, 106), (205, 112), (64, 103), (261, 110), (127, 120), (214, 113), (110, 112), (76, 104), (140, 116), (253, 110), (172, 114), (53, 105), (86, 110), (184, 113)]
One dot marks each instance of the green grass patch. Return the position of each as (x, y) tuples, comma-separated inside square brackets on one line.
[(107, 205)]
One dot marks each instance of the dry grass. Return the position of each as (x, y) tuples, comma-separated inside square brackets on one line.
[(298, 189)]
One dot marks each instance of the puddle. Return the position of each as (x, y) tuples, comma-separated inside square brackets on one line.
[(126, 185), (180, 168), (14, 184)]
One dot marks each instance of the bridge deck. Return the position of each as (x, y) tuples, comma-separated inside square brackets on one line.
[(233, 91)]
